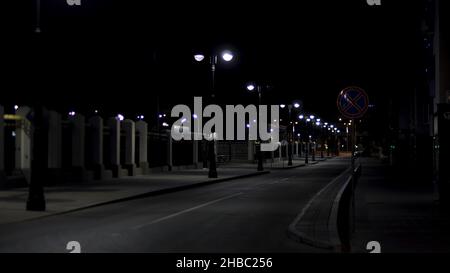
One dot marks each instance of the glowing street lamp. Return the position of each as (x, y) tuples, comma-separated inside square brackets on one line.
[(199, 57), (250, 87), (227, 56)]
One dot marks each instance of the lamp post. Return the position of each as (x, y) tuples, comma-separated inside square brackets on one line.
[(313, 150), (290, 133), (226, 56), (307, 120), (36, 199), (259, 154)]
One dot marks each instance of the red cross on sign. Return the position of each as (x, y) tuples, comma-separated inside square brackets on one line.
[(353, 102)]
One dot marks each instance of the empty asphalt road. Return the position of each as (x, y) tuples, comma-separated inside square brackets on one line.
[(245, 215)]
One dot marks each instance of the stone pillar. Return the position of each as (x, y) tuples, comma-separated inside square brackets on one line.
[(169, 151), (142, 129), (23, 142), (78, 137), (130, 145), (296, 148), (280, 156), (54, 140), (251, 150), (114, 146), (2, 148), (96, 149), (195, 153), (54, 146)]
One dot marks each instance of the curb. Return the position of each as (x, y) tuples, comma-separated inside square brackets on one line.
[(289, 167), (301, 237), (151, 193)]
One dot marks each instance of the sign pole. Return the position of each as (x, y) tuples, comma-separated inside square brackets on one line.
[(353, 103), (353, 143)]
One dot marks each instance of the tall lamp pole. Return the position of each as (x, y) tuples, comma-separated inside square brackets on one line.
[(227, 56), (259, 154), (36, 199), (290, 133)]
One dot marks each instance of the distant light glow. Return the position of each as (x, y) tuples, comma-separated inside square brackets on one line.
[(317, 123), (308, 120), (183, 120), (195, 116), (120, 117), (250, 87), (311, 116), (16, 107), (248, 125), (296, 105), (227, 56), (165, 124), (160, 115), (282, 106), (72, 113), (199, 57), (301, 117)]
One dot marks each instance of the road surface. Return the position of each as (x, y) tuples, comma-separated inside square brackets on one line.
[(244, 215)]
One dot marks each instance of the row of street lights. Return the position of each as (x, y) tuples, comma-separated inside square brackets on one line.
[(228, 56)]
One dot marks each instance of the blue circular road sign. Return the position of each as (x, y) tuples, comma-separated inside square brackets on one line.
[(353, 102)]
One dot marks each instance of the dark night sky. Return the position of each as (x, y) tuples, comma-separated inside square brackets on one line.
[(123, 50)]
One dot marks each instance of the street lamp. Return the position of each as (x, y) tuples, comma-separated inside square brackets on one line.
[(226, 56), (290, 135), (199, 57), (251, 87)]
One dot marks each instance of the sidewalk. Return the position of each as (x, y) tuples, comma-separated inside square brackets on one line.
[(400, 213), (67, 198)]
